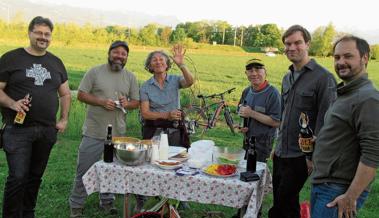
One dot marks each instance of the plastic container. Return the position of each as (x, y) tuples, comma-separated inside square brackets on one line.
[(228, 155), (200, 153), (163, 147)]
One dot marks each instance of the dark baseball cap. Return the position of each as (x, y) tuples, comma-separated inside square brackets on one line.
[(118, 43), (255, 62)]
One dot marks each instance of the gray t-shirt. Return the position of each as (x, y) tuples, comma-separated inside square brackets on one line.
[(104, 83), (265, 101), (162, 100)]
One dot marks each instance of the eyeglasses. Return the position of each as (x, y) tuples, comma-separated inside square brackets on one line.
[(40, 34)]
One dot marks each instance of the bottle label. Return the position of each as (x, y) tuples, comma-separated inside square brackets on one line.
[(20, 117), (306, 145)]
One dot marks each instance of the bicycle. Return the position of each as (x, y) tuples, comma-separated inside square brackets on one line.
[(202, 114)]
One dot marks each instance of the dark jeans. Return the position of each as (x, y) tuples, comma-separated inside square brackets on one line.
[(289, 176), (27, 150)]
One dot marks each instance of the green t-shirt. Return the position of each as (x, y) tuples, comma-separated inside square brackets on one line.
[(104, 83)]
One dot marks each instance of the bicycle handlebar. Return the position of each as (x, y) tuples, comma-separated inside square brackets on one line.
[(218, 94)]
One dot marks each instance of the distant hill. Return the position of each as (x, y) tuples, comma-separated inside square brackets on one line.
[(68, 14)]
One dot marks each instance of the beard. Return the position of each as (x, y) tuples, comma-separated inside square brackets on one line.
[(347, 73), (116, 66), (41, 44)]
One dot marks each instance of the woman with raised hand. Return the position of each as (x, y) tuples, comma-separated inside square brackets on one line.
[(160, 99)]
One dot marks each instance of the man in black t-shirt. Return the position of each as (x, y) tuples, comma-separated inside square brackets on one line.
[(35, 72)]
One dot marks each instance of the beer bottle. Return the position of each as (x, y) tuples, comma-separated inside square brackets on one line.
[(108, 146), (20, 117), (306, 134), (243, 121), (251, 164)]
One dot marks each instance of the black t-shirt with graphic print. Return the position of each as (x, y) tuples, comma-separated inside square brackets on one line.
[(40, 76)]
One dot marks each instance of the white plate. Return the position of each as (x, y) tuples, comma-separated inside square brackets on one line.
[(175, 150), (168, 167)]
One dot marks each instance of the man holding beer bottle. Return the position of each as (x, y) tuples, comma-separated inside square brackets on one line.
[(308, 88), (29, 136)]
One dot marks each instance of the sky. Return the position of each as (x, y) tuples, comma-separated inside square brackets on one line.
[(345, 15)]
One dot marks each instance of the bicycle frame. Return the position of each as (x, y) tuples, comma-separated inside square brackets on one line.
[(216, 114), (210, 117)]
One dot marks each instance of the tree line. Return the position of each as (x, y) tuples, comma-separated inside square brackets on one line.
[(252, 37)]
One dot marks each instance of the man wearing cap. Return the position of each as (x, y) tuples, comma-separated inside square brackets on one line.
[(308, 88), (101, 88), (260, 106)]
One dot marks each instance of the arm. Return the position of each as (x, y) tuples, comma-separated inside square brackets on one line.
[(246, 111), (65, 100), (87, 98), (365, 119), (271, 117), (150, 115), (178, 57), (6, 101), (133, 102), (347, 202)]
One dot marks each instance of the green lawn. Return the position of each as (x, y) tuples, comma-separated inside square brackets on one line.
[(216, 71)]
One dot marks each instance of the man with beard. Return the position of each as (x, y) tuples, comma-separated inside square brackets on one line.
[(101, 88), (307, 88), (347, 148), (31, 71)]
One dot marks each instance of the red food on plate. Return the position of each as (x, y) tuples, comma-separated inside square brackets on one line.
[(226, 169)]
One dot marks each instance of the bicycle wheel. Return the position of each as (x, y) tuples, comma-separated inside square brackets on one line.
[(229, 120)]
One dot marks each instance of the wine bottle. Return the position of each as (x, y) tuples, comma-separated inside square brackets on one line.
[(306, 134), (251, 164), (20, 117), (243, 121), (108, 146)]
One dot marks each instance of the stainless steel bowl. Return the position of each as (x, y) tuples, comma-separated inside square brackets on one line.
[(130, 157)]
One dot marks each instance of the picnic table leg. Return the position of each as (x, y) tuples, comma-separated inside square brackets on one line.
[(126, 206), (243, 211)]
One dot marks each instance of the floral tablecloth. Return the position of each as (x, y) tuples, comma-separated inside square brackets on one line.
[(150, 180)]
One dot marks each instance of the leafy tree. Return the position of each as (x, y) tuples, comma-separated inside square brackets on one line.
[(178, 35), (272, 36), (375, 52), (253, 36), (164, 35), (322, 41), (218, 31), (316, 43), (148, 34), (199, 31)]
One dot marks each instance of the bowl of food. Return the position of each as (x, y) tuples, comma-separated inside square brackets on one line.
[(228, 155), (129, 150)]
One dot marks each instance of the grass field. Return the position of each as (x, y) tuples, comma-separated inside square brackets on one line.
[(216, 71)]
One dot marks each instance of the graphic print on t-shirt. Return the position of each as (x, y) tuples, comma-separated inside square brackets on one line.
[(39, 73)]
